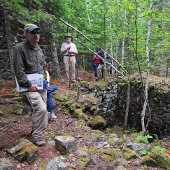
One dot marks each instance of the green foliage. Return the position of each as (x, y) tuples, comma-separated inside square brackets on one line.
[(159, 149), (143, 152), (141, 138), (123, 20)]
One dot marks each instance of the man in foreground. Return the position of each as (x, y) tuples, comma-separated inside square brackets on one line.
[(69, 50), (29, 59)]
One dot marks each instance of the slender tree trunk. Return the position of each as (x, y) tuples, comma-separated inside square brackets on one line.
[(127, 105), (104, 45), (123, 51), (117, 49), (88, 16), (167, 66), (147, 77)]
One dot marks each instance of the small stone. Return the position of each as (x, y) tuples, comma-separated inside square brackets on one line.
[(24, 151), (19, 111), (57, 163), (6, 164), (65, 144)]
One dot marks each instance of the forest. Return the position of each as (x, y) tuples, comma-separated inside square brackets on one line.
[(122, 28)]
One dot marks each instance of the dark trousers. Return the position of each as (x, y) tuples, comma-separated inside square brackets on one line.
[(50, 104)]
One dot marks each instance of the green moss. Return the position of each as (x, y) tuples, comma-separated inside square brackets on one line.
[(101, 84), (5, 110), (82, 162), (69, 103), (161, 158), (17, 106), (129, 154), (81, 124), (62, 99), (108, 155), (41, 163), (49, 135), (98, 122), (78, 113), (147, 160), (65, 133)]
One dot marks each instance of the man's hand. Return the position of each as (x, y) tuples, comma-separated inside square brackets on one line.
[(68, 48), (32, 88)]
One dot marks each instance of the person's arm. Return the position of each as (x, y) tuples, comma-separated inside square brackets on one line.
[(64, 50), (19, 70), (73, 50)]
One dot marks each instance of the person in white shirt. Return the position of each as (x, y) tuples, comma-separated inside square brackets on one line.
[(68, 49)]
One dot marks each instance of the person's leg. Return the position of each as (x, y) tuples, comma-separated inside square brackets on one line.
[(66, 65), (95, 69), (73, 70), (51, 88), (40, 114), (50, 104)]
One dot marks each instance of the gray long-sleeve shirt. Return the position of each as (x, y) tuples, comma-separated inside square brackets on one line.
[(27, 60)]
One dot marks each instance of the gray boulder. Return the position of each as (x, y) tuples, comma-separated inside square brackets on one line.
[(137, 147), (65, 144)]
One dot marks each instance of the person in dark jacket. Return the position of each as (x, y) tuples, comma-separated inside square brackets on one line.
[(29, 59), (96, 62)]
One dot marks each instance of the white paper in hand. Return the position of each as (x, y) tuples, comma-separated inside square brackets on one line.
[(36, 79)]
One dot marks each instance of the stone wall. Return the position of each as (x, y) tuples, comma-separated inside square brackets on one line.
[(112, 104)]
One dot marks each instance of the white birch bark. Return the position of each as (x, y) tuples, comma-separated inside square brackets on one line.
[(123, 51), (147, 76)]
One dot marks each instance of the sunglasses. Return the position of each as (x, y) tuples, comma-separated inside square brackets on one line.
[(34, 32)]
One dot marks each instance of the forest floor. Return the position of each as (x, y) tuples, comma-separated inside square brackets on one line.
[(13, 127)]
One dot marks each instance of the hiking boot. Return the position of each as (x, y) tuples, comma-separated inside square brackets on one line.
[(41, 143), (53, 116), (73, 81)]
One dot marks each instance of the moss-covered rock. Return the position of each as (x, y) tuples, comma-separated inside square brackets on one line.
[(98, 122), (81, 124), (78, 113), (129, 154), (157, 159), (24, 151), (101, 84), (108, 155)]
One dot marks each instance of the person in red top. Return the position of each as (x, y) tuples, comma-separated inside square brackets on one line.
[(96, 61)]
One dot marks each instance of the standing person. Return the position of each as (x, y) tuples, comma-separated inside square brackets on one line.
[(68, 49), (96, 61), (29, 59), (50, 89)]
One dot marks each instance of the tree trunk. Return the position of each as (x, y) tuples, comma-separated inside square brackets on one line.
[(127, 105), (147, 77), (123, 51), (104, 45)]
